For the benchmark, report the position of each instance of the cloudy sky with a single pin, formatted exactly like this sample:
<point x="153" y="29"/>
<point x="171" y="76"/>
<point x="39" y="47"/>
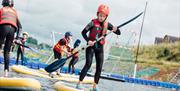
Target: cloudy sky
<point x="40" y="17"/>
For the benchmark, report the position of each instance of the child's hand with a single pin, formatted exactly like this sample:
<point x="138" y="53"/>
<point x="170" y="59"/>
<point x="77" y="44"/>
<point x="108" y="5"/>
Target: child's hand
<point x="15" y="40"/>
<point x="114" y="29"/>
<point x="90" y="43"/>
<point x="68" y="54"/>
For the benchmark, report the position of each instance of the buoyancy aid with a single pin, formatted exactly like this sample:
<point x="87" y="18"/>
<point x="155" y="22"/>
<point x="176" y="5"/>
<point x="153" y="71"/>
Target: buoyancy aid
<point x="8" y="16"/>
<point x="98" y="30"/>
<point x="59" y="47"/>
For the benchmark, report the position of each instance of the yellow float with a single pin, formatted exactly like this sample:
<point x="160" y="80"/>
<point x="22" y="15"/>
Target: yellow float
<point x="44" y="74"/>
<point x="19" y="84"/>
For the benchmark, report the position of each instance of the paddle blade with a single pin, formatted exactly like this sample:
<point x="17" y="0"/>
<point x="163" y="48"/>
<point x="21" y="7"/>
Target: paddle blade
<point x="55" y="65"/>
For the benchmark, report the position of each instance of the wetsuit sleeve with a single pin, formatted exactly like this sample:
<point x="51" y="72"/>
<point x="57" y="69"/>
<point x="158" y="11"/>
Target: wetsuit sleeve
<point x="19" y="30"/>
<point x="110" y="27"/>
<point x="86" y="29"/>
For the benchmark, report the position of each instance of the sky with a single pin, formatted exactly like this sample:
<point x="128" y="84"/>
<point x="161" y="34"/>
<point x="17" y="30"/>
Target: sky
<point x="41" y="17"/>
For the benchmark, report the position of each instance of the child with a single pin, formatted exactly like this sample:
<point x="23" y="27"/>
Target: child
<point x="20" y="50"/>
<point x="96" y="28"/>
<point x="62" y="47"/>
<point x="9" y="24"/>
<point x="75" y="57"/>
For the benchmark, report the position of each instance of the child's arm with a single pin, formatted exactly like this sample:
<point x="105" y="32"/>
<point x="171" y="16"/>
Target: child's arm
<point x="84" y="33"/>
<point x="86" y="29"/>
<point x="67" y="53"/>
<point x="114" y="29"/>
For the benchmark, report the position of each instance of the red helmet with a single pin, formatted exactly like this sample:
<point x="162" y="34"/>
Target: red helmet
<point x="8" y="3"/>
<point x="103" y="9"/>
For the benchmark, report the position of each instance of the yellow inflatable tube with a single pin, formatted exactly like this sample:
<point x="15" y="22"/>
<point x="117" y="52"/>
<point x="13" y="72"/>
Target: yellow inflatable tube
<point x="44" y="74"/>
<point x="25" y="70"/>
<point x="69" y="77"/>
<point x="23" y="84"/>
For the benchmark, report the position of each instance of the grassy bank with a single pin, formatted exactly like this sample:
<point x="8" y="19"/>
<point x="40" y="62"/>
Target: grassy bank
<point x="165" y="57"/>
<point x="161" y="52"/>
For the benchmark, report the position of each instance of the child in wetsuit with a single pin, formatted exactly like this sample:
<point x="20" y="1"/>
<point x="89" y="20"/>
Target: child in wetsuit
<point x="9" y="24"/>
<point x="96" y="28"/>
<point x="20" y="50"/>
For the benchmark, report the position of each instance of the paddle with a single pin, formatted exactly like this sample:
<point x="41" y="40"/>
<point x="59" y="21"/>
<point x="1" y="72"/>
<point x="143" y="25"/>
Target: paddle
<point x="34" y="50"/>
<point x="60" y="62"/>
<point x="22" y="45"/>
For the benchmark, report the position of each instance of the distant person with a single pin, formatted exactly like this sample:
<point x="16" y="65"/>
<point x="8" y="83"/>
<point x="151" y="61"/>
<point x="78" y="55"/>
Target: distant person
<point x="75" y="58"/>
<point x="20" y="50"/>
<point x="62" y="47"/>
<point x="9" y="24"/>
<point x="96" y="28"/>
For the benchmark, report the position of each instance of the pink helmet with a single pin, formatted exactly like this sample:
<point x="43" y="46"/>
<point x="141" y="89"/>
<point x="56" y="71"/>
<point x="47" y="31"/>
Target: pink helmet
<point x="103" y="9"/>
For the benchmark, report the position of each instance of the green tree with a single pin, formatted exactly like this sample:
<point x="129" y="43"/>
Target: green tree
<point x="32" y="40"/>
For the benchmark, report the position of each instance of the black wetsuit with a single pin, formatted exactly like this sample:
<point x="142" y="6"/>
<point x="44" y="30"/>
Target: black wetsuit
<point x="20" y="51"/>
<point x="90" y="51"/>
<point x="7" y="36"/>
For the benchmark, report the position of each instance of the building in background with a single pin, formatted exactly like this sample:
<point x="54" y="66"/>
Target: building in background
<point x="166" y="39"/>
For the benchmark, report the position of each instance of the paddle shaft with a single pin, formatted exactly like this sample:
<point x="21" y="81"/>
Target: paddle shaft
<point x="22" y="45"/>
<point x="130" y="20"/>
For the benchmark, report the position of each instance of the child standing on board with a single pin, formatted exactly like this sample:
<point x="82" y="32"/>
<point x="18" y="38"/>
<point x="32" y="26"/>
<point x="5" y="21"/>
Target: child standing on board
<point x="62" y="47"/>
<point x="96" y="28"/>
<point x="9" y="25"/>
<point x="20" y="50"/>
